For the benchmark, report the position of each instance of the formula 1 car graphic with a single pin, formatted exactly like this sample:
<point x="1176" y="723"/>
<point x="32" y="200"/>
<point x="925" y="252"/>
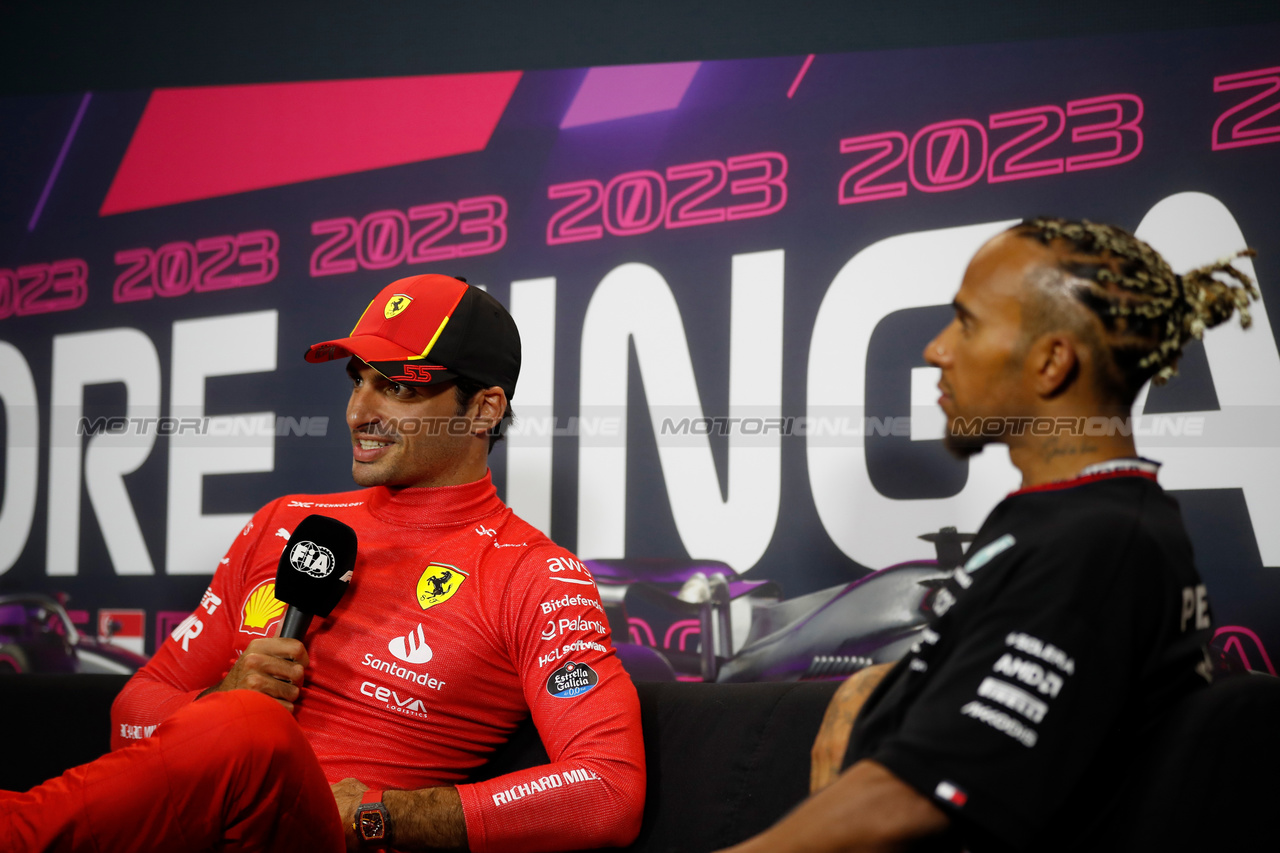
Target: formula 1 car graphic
<point x="712" y="625"/>
<point x="37" y="635"/>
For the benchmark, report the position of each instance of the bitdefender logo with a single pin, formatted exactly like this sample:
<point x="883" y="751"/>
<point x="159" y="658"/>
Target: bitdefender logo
<point x="411" y="648"/>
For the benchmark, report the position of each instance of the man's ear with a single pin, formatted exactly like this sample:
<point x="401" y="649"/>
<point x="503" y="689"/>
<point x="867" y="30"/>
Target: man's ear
<point x="489" y="404"/>
<point x="1054" y="362"/>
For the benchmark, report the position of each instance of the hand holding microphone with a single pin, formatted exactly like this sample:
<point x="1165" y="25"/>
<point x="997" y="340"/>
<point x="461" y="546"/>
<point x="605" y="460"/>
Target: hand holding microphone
<point x="314" y="571"/>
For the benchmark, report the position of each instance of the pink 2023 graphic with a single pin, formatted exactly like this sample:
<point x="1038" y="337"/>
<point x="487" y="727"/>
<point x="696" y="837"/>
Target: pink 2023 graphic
<point x="210" y="263"/>
<point x="43" y="288"/>
<point x="950" y="155"/>
<point x="641" y="201"/>
<point x="389" y="238"/>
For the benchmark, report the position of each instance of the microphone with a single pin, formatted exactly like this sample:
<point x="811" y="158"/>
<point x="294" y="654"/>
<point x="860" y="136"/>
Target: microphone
<point x="314" y="571"/>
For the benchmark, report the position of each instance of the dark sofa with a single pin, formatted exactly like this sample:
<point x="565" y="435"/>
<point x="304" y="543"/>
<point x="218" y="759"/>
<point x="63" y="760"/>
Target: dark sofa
<point x="727" y="760"/>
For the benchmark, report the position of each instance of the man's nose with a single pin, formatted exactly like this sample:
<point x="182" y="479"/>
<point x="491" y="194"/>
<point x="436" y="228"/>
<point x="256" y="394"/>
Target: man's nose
<point x="361" y="408"/>
<point x="936" y="352"/>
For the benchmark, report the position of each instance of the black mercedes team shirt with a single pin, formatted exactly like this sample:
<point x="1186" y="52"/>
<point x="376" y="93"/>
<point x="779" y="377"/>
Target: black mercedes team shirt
<point x="1076" y="621"/>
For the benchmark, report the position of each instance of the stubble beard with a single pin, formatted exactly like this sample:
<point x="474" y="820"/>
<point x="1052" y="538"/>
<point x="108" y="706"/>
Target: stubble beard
<point x="380" y="471"/>
<point x="963" y="447"/>
<point x="367" y="475"/>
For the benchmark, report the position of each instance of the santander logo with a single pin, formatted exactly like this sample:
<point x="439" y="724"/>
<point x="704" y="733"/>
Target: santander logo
<point x="411" y="648"/>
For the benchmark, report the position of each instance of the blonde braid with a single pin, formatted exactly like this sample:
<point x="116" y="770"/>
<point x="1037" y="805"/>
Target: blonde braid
<point x="1149" y="312"/>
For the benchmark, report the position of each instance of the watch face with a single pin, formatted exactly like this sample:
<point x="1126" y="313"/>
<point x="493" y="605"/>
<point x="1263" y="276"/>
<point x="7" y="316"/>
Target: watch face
<point x="372" y="826"/>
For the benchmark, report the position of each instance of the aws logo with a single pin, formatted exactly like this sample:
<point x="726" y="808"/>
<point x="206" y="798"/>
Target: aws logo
<point x="261" y="610"/>
<point x="395" y="305"/>
<point x="438" y="584"/>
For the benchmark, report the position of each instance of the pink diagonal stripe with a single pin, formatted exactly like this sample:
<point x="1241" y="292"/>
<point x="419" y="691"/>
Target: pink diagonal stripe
<point x="213" y="141"/>
<point x="804" y="69"/>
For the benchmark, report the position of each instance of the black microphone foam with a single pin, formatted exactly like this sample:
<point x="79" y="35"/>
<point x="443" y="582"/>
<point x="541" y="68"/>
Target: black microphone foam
<point x="314" y="571"/>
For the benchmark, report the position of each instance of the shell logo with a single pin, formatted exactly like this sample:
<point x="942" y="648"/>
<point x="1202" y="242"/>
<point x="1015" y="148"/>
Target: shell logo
<point x="261" y="610"/>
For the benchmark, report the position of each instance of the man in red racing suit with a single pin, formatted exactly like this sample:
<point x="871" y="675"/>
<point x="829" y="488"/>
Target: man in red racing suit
<point x="460" y="619"/>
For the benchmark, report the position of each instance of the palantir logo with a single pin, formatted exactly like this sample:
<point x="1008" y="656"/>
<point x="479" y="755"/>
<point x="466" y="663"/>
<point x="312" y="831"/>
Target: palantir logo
<point x="411" y="648"/>
<point x="311" y="559"/>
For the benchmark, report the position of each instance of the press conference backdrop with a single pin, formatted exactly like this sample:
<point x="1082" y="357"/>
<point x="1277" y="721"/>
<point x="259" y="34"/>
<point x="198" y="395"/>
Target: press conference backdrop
<point x="724" y="273"/>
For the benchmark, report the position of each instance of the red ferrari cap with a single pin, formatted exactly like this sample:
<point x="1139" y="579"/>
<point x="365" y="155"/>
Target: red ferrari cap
<point x="432" y="328"/>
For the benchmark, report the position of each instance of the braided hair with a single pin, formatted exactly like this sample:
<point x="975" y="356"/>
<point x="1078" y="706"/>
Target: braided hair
<point x="1148" y="312"/>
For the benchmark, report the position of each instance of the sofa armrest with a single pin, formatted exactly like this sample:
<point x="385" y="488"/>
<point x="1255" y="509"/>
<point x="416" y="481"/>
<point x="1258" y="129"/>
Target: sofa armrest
<point x="54" y="722"/>
<point x="725" y="761"/>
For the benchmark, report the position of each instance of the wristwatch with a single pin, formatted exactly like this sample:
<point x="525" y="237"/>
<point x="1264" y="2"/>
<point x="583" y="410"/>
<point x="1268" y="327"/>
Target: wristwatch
<point x="373" y="821"/>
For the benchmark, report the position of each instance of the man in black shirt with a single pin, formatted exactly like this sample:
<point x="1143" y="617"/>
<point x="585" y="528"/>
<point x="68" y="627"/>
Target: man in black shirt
<point x="1078" y="616"/>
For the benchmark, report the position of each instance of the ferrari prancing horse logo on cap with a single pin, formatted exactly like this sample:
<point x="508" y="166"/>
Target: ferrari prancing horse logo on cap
<point x="438" y="584"/>
<point x="396" y="304"/>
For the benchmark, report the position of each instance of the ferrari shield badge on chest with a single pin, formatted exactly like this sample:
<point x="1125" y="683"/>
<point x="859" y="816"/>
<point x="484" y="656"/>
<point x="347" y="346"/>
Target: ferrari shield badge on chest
<point x="438" y="584"/>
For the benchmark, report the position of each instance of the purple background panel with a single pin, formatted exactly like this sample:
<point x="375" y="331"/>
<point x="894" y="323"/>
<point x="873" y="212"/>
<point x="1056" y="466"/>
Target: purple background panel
<point x="622" y="91"/>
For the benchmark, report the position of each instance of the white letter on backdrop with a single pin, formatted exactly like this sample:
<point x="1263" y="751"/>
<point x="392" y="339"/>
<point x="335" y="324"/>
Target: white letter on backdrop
<point x="95" y="358"/>
<point x="634" y="302"/>
<point x="1238" y="447"/>
<point x="906" y="271"/>
<point x="235" y="444"/>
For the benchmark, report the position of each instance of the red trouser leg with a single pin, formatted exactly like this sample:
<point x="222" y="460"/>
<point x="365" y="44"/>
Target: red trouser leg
<point x="232" y="769"/>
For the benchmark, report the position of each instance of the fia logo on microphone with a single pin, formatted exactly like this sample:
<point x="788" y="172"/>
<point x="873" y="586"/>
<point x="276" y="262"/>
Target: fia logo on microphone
<point x="311" y="559"/>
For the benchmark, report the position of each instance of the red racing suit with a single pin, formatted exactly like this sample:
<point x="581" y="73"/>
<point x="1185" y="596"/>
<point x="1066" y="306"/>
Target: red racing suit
<point x="460" y="620"/>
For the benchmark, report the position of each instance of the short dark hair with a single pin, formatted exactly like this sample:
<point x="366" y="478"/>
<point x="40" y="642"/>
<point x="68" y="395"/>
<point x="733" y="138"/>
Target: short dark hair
<point x="1148" y="312"/>
<point x="464" y="390"/>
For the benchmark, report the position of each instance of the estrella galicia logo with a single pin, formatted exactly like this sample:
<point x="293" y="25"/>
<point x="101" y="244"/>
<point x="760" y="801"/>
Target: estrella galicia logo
<point x="572" y="679"/>
<point x="311" y="559"/>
